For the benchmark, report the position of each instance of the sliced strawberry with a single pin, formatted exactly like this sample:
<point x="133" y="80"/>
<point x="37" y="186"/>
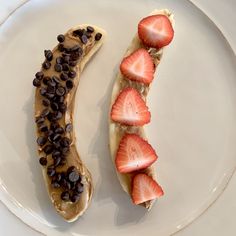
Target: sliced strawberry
<point x="134" y="153"/>
<point x="138" y="66"/>
<point x="155" y="31"/>
<point x="144" y="188"/>
<point x="130" y="109"/>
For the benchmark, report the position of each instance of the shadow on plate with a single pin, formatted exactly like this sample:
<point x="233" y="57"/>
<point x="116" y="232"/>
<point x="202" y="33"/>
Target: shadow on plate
<point x="109" y="188"/>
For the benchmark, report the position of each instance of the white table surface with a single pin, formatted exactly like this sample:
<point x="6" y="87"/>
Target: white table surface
<point x="219" y="219"/>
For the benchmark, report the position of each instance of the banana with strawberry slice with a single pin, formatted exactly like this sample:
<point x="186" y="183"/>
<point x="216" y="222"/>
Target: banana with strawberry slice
<point x="131" y="153"/>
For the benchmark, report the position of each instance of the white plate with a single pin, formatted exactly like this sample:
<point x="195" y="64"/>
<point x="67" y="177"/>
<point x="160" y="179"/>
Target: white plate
<point x="192" y="101"/>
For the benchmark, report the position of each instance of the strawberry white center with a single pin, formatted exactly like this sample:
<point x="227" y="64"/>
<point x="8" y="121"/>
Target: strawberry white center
<point x="135" y="154"/>
<point x="130" y="110"/>
<point x="156" y="30"/>
<point x="138" y="67"/>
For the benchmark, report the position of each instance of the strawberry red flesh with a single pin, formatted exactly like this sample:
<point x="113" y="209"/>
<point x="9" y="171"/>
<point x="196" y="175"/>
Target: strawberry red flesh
<point x="155" y="31"/>
<point x="144" y="188"/>
<point x="138" y="66"/>
<point x="134" y="153"/>
<point x="130" y="109"/>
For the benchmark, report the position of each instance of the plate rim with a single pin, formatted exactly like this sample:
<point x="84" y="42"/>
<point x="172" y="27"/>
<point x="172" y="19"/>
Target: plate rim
<point x="18" y="210"/>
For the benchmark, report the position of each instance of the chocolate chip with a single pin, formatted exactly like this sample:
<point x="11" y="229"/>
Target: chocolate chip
<point x="65" y="142"/>
<point x="54" y="137"/>
<point x="75" y="197"/>
<point x="46" y="102"/>
<point x="39" y="120"/>
<point x="58" y="177"/>
<point x="70" y="169"/>
<point x="48" y="55"/>
<point x="60" y="99"/>
<point x="43" y="161"/>
<point x="43" y="128"/>
<point x="54" y="106"/>
<point x="66" y="58"/>
<point x="59" y="130"/>
<point x="59" y="60"/>
<point x="49" y="95"/>
<point x="64" y="54"/>
<point x="78" y="32"/>
<point x="73" y="185"/>
<point x="54" y="126"/>
<point x="73" y="176"/>
<point x="60" y="91"/>
<point x="65" y="150"/>
<point x="39" y="75"/>
<point x="57" y="161"/>
<point x="45" y="80"/>
<point x="98" y="36"/>
<point x="61" y="47"/>
<point x="57" y="137"/>
<point x="41" y="140"/>
<point x="55" y="184"/>
<point x="72" y="74"/>
<point x="51" y="82"/>
<point x="46" y="65"/>
<point x="56" y="79"/>
<point x="51" y="171"/>
<point x="63" y="76"/>
<point x="75" y="55"/>
<point x="45" y="112"/>
<point x="48" y="133"/>
<point x="79" y="187"/>
<point x="84" y="39"/>
<point x="48" y="149"/>
<point x="65" y="196"/>
<point x="56" y="145"/>
<point x="88" y="34"/>
<point x="36" y="82"/>
<point x="90" y="29"/>
<point x="68" y="127"/>
<point x="75" y="48"/>
<point x="51" y="89"/>
<point x="68" y="185"/>
<point x="65" y="67"/>
<point x="61" y="38"/>
<point x="62" y="107"/>
<point x="55" y="154"/>
<point x="58" y="67"/>
<point x="58" y="115"/>
<point x="51" y="117"/>
<point x="72" y="63"/>
<point x="43" y="91"/>
<point x="69" y="84"/>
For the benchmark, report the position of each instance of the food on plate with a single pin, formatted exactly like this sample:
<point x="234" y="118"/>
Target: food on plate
<point x="131" y="153"/>
<point x="67" y="179"/>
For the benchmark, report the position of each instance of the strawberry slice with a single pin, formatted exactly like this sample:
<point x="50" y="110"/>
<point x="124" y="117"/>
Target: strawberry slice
<point x="134" y="153"/>
<point x="155" y="31"/>
<point x="138" y="66"/>
<point x="144" y="188"/>
<point x="130" y="109"/>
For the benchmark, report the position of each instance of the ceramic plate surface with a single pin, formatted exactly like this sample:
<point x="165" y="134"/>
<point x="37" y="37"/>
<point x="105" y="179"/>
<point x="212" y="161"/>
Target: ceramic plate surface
<point x="192" y="101"/>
